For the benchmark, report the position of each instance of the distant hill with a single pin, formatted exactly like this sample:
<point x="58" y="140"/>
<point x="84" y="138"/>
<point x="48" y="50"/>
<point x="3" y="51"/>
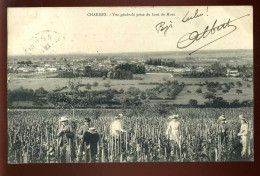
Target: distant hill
<point x="246" y="55"/>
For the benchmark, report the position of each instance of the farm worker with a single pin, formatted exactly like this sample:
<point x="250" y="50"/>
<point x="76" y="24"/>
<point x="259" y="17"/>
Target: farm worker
<point x="65" y="140"/>
<point x="90" y="139"/>
<point x="116" y="126"/>
<point x="84" y="127"/>
<point x="80" y="134"/>
<point x="222" y="128"/>
<point x="243" y="134"/>
<point x="172" y="131"/>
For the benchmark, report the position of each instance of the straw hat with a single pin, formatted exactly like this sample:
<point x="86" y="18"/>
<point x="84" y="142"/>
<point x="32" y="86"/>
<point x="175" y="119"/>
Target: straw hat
<point x="119" y="116"/>
<point x="63" y="119"/>
<point x="92" y="130"/>
<point x="242" y="117"/>
<point x="174" y="116"/>
<point x="222" y="118"/>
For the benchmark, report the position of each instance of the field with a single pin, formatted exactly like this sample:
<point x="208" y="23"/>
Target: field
<point x="142" y="82"/>
<point x="32" y="132"/>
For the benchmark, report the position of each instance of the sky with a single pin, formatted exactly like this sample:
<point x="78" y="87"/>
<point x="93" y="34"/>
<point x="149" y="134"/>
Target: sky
<point x="33" y="31"/>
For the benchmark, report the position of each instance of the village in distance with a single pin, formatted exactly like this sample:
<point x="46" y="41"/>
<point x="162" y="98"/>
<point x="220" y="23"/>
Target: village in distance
<point x="221" y="78"/>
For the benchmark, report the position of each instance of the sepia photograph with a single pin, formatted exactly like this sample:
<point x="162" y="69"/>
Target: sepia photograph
<point x="130" y="84"/>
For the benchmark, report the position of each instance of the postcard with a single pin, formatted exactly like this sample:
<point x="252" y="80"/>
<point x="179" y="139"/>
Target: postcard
<point x="130" y="84"/>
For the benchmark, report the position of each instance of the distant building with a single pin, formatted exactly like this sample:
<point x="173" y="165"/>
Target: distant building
<point x="47" y="65"/>
<point x="160" y="66"/>
<point x="51" y="69"/>
<point x="179" y="70"/>
<point x="63" y="67"/>
<point x="232" y="72"/>
<point x="22" y="69"/>
<point x="200" y="69"/>
<point x="40" y="69"/>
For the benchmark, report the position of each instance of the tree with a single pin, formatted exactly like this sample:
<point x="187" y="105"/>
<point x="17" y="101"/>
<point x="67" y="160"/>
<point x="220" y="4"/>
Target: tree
<point x="129" y="100"/>
<point x="231" y="84"/>
<point x="59" y="99"/>
<point x="151" y="94"/>
<point x="247" y="103"/>
<point x="95" y="84"/>
<point x="171" y="88"/>
<point x="107" y="85"/>
<point x="39" y="102"/>
<point x="219" y="102"/>
<point x="88" y="86"/>
<point x="121" y="91"/>
<point x="25" y="62"/>
<point x="218" y="69"/>
<point x="209" y="96"/>
<point x="225" y="91"/>
<point x="212" y="90"/>
<point x="41" y="91"/>
<point x="193" y="102"/>
<point x="199" y="90"/>
<point x="239" y="84"/>
<point x="235" y="103"/>
<point x="227" y="87"/>
<point x="143" y="95"/>
<point x="21" y="94"/>
<point x="133" y="68"/>
<point x="121" y="74"/>
<point x="133" y="91"/>
<point x="239" y="91"/>
<point x="89" y="72"/>
<point x="66" y="74"/>
<point x="87" y="69"/>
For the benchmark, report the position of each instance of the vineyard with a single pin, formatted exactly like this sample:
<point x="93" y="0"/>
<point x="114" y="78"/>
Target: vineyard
<point x="31" y="134"/>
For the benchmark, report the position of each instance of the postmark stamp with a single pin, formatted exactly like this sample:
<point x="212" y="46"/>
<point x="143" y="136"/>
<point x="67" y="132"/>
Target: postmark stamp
<point x="45" y="42"/>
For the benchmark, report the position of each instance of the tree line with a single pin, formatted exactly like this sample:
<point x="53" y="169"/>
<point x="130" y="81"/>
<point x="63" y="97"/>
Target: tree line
<point x="160" y="62"/>
<point x="71" y="95"/>
<point x="218" y="70"/>
<point x="121" y="71"/>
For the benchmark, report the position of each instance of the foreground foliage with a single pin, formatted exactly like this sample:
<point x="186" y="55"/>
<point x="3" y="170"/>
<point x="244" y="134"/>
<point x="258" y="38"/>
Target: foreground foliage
<point x="31" y="133"/>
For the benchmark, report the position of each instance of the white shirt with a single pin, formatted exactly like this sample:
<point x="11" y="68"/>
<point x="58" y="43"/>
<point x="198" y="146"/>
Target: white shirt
<point x="243" y="130"/>
<point x="116" y="128"/>
<point x="172" y="131"/>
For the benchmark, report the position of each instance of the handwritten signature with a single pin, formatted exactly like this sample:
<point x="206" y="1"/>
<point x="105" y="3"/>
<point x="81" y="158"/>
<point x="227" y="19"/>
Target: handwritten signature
<point x="163" y="27"/>
<point x="196" y="15"/>
<point x="193" y="37"/>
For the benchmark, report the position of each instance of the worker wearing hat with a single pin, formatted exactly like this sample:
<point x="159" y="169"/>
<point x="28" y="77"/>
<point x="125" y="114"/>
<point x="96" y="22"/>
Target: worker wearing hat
<point x="116" y="126"/>
<point x="65" y="140"/>
<point x="222" y="118"/>
<point x="84" y="127"/>
<point x="243" y="133"/>
<point x="90" y="140"/>
<point x="79" y="140"/>
<point x="223" y="129"/>
<point x="172" y="130"/>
